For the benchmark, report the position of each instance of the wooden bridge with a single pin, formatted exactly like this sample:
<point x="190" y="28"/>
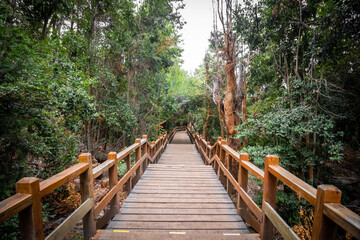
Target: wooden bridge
<point x="177" y="192"/>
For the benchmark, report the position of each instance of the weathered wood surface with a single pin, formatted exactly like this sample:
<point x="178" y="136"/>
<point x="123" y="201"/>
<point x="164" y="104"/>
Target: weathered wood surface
<point x="179" y="194"/>
<point x="156" y="235"/>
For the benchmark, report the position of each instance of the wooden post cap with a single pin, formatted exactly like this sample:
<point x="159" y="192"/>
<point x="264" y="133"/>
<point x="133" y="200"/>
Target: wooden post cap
<point x="138" y="140"/>
<point x="144" y="137"/>
<point x="219" y="138"/>
<point x="244" y="157"/>
<point x="331" y="193"/>
<point x="27" y="185"/>
<point x="207" y="143"/>
<point x="84" y="158"/>
<point x="271" y="160"/>
<point x="112" y="155"/>
<point x="152" y="142"/>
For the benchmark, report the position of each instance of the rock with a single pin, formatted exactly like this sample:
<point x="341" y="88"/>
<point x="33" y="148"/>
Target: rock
<point x="77" y="184"/>
<point x="104" y="182"/>
<point x="100" y="156"/>
<point x="59" y="221"/>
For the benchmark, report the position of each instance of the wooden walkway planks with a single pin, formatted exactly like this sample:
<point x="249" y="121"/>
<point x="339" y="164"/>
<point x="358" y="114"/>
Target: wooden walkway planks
<point x="178" y="195"/>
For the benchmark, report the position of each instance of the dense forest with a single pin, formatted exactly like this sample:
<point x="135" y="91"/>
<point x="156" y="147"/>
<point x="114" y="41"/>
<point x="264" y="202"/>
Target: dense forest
<point x="279" y="77"/>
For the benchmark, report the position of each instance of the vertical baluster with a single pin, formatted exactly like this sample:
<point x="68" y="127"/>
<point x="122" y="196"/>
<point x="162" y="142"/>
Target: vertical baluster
<point x="113" y="180"/>
<point x="208" y="152"/>
<point x="87" y="191"/>
<point x="269" y="195"/>
<point x="139" y="170"/>
<point x="145" y="151"/>
<point x="243" y="182"/>
<point x="323" y="227"/>
<point x="153" y="151"/>
<point x="31" y="222"/>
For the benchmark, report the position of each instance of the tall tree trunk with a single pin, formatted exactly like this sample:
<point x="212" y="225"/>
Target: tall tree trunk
<point x="207" y="77"/>
<point x="229" y="99"/>
<point x="43" y="32"/>
<point x="230" y="58"/>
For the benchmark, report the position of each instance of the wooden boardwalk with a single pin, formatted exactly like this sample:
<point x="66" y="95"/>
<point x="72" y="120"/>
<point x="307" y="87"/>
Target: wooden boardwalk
<point x="178" y="198"/>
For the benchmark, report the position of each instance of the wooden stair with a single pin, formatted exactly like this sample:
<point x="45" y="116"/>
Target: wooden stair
<point x="178" y="198"/>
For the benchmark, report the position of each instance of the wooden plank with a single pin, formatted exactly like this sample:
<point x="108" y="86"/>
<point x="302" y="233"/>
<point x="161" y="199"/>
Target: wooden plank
<point x="127" y="151"/>
<point x="178" y="218"/>
<point x="14" y="204"/>
<point x="167" y="169"/>
<point x="157" y="153"/>
<point x="179" y="205"/>
<point x="343" y="217"/>
<point x="87" y="192"/>
<point x="157" y="181"/>
<point x="179" y="166"/>
<point x="101" y="205"/>
<point x="63" y="229"/>
<point x="299" y="186"/>
<point x="103" y="167"/>
<point x="231" y="151"/>
<point x="143" y="141"/>
<point x="181" y="176"/>
<point x="101" y="222"/>
<point x="215" y="145"/>
<point x="178" y="225"/>
<point x="159" y="185"/>
<point x="179" y="200"/>
<point x="52" y="183"/>
<point x="221" y="196"/>
<point x="183" y="192"/>
<point x="30" y="219"/>
<point x="269" y="196"/>
<point x="181" y="188"/>
<point x="165" y="234"/>
<point x="249" y="202"/>
<point x="171" y="173"/>
<point x="163" y="211"/>
<point x="279" y="223"/>
<point x="257" y="172"/>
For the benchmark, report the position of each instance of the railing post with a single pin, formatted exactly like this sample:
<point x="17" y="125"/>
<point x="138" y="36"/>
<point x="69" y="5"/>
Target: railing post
<point x="139" y="170"/>
<point x="222" y="151"/>
<point x="31" y="222"/>
<point x="243" y="182"/>
<point x="87" y="191"/>
<point x="128" y="167"/>
<point x="153" y="151"/>
<point x="208" y="152"/>
<point x="323" y="227"/>
<point x="162" y="144"/>
<point x="113" y="180"/>
<point x="222" y="156"/>
<point x="227" y="165"/>
<point x="218" y="147"/>
<point x="269" y="195"/>
<point x="145" y="149"/>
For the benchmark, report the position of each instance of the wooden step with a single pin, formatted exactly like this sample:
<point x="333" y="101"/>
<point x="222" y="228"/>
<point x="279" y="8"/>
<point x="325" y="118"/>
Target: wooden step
<point x="157" y="235"/>
<point x="179" y="198"/>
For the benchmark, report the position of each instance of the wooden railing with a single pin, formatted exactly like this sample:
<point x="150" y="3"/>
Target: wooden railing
<point x="328" y="213"/>
<point x="29" y="191"/>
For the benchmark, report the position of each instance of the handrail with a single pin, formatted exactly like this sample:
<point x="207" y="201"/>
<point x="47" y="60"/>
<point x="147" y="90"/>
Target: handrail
<point x="325" y="198"/>
<point x="27" y="200"/>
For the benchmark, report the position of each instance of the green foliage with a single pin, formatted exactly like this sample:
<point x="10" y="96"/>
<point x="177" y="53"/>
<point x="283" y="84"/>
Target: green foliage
<point x="296" y="107"/>
<point x="82" y="76"/>
<point x="278" y="132"/>
<point x="288" y="207"/>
